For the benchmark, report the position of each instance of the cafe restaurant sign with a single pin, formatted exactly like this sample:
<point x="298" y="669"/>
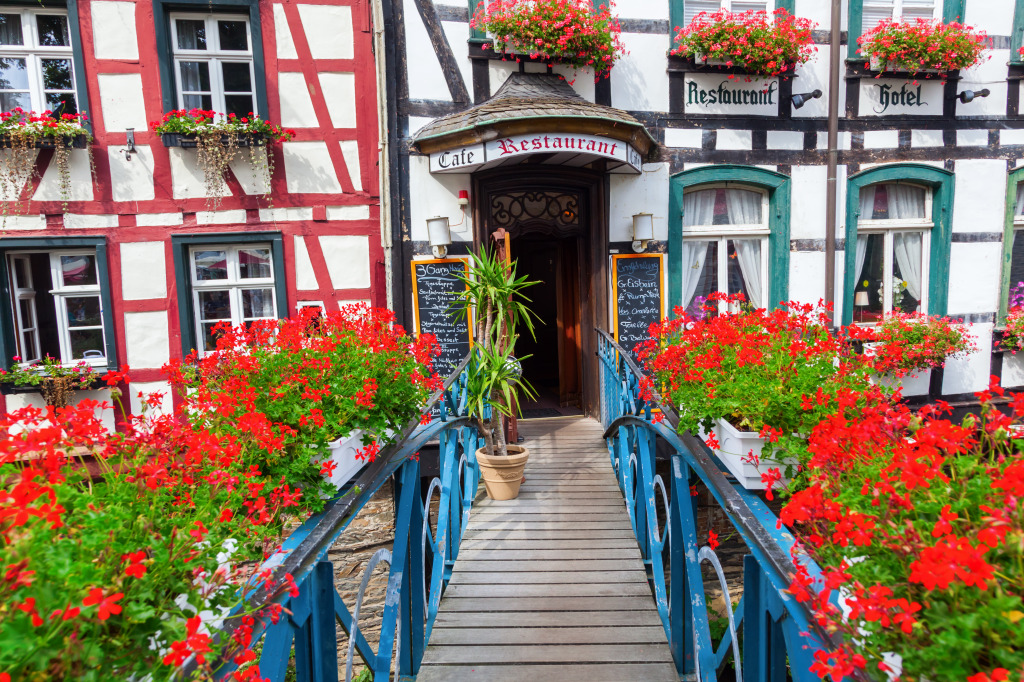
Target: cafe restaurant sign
<point x="717" y="94"/>
<point x="900" y="97"/>
<point x="471" y="157"/>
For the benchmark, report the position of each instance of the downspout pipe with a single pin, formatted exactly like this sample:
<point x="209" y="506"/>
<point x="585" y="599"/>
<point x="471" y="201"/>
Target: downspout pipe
<point x="831" y="190"/>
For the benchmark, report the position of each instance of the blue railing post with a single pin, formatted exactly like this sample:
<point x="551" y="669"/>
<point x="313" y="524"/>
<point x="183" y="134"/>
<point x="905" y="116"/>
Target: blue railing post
<point x="316" y="639"/>
<point x="679" y="605"/>
<point x="412" y="616"/>
<point x="399" y="579"/>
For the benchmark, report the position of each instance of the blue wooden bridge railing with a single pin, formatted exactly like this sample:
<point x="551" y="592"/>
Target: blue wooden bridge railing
<point x="306" y="629"/>
<point x="778" y="633"/>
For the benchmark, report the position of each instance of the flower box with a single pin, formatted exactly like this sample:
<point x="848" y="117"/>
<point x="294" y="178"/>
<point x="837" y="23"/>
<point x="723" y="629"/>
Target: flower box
<point x="734" y="451"/>
<point x="712" y="61"/>
<point x="888" y="66"/>
<point x="343" y="454"/>
<point x="191" y="141"/>
<point x="49" y="142"/>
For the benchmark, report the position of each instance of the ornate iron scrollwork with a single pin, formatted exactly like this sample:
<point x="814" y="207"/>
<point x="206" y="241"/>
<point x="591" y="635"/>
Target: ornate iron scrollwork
<point x="512" y="209"/>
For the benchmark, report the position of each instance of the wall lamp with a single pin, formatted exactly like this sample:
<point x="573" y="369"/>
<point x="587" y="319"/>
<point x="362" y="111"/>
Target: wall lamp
<point x="129" y="140"/>
<point x="439" y="230"/>
<point x="802" y="98"/>
<point x="969" y="95"/>
<point x="643" y="231"/>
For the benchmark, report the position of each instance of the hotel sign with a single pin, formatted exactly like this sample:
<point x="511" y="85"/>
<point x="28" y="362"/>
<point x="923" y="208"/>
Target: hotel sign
<point x="467" y="159"/>
<point x="900" y="97"/>
<point x="717" y="94"/>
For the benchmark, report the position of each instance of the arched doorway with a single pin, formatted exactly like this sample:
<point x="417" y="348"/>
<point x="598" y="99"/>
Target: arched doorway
<point x="557" y="222"/>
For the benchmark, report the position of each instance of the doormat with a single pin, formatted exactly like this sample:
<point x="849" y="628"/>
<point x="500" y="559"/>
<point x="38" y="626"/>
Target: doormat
<point x="541" y="413"/>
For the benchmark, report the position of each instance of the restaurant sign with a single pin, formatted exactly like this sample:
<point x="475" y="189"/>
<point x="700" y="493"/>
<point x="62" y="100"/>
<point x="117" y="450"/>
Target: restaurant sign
<point x="717" y="94"/>
<point x="900" y="97"/>
<point x="466" y="159"/>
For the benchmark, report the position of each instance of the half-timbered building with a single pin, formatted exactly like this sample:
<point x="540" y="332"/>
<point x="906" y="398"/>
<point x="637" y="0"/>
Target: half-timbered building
<point x="733" y="175"/>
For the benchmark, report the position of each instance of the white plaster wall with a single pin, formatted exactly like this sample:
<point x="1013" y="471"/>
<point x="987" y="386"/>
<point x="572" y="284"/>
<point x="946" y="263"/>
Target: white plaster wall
<point x="814" y="76"/>
<point x="974" y="271"/>
<point x="643" y="9"/>
<point x="146" y="336"/>
<point x="881" y="139"/>
<point x="350" y="152"/>
<point x="457" y="34"/>
<point x="308" y="168"/>
<point x="1013" y="369"/>
<point x="296" y="103"/>
<point x="817" y="11"/>
<point x="806" y="276"/>
<point x="581" y="80"/>
<point x="971" y="373"/>
<point x="250" y="170"/>
<point x="114" y="35"/>
<point x="426" y="80"/>
<point x="17" y="401"/>
<point x="990" y="74"/>
<point x="635" y="85"/>
<point x="340" y="96"/>
<point x="692" y="138"/>
<point x="991" y="16"/>
<point x="122" y="102"/>
<point x="735" y="140"/>
<point x="229" y="217"/>
<point x="498" y="73"/>
<point x="644" y="193"/>
<point x="979" y="197"/>
<point x="158" y="219"/>
<point x="328" y="30"/>
<point x="416" y="123"/>
<point x="807" y="204"/>
<point x="12" y="189"/>
<point x="348" y="260"/>
<point x="305" y="278"/>
<point x="131" y="180"/>
<point x="143" y="271"/>
<point x="187" y="179"/>
<point x="148" y="388"/>
<point x="271" y="215"/>
<point x="80" y="174"/>
<point x="926" y="138"/>
<point x="23" y="222"/>
<point x="283" y="34"/>
<point x="785" y="139"/>
<point x="436" y="195"/>
<point x="73" y="221"/>
<point x="360" y="212"/>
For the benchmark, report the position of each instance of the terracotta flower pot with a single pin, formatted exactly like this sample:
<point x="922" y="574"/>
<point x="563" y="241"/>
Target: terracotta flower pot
<point x="502" y="475"/>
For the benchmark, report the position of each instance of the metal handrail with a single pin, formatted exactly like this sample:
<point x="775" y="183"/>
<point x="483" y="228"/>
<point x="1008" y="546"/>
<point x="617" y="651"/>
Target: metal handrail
<point x="300" y="561"/>
<point x="702" y="459"/>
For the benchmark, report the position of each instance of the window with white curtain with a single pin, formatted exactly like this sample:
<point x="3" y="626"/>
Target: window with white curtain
<point x="232" y="285"/>
<point x="213" y="63"/>
<point x="893" y="242"/>
<point x="1017" y="246"/>
<point x="691" y="8"/>
<point x="725" y="244"/>
<point x="874" y="11"/>
<point x="37" y="70"/>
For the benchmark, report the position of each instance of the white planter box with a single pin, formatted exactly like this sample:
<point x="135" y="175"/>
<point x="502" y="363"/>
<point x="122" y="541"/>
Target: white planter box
<point x="713" y="61"/>
<point x="878" y="64"/>
<point x="735" y="447"/>
<point x="343" y="454"/>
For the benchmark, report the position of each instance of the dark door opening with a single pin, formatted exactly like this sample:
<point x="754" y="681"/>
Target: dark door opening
<point x="553" y="359"/>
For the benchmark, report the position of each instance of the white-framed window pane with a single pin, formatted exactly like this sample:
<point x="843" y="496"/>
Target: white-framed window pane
<point x="749" y="5"/>
<point x="29" y="351"/>
<point x="11" y="32"/>
<point x="52" y="30"/>
<point x="86" y="343"/>
<point x="874" y="11"/>
<point x="191" y="34"/>
<point x="195" y="76"/>
<point x="869" y="290"/>
<point x="210" y="265"/>
<point x="907" y="272"/>
<point x="83" y="311"/>
<point x="892" y="201"/>
<point x="78" y="270"/>
<point x="214" y="308"/>
<point x="744" y="266"/>
<point x="1017" y="259"/>
<point x="699" y="271"/>
<point x="257" y="304"/>
<point x="254" y="264"/>
<point x="917" y="9"/>
<point x="1018" y="209"/>
<point x="691" y="8"/>
<point x="14" y="74"/>
<point x="233" y="35"/>
<point x="722" y="206"/>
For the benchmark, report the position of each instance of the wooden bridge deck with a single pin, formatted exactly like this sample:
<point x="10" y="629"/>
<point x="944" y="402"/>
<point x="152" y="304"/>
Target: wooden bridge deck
<point x="551" y="585"/>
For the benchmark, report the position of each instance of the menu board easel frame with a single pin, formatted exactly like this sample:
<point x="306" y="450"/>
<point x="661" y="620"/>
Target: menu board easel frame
<point x="615" y="287"/>
<point x="416" y="293"/>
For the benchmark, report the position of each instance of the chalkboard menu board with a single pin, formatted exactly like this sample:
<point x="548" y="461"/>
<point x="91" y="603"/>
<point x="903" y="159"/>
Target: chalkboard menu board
<point x="637" y="289"/>
<point x="434" y="288"/>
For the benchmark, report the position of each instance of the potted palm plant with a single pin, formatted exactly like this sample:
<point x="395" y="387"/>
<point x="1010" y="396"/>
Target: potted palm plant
<point x="494" y="381"/>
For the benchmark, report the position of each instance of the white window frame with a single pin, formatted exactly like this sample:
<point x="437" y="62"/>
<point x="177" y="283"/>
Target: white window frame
<point x="726" y="5"/>
<point x="60" y="293"/>
<point x="888" y="228"/>
<point x="723" y="233"/>
<point x="25" y="291"/>
<point x="33" y="53"/>
<point x="234" y="284"/>
<point x="214" y="56"/>
<point x="897" y="10"/>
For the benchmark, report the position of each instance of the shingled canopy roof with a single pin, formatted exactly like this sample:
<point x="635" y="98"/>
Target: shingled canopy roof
<point x="529" y="103"/>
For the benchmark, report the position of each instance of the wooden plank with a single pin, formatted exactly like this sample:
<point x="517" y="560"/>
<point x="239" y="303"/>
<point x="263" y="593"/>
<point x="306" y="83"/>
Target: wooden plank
<point x="529" y="619"/>
<point x="476" y="604"/>
<point x="475" y="524"/>
<point x="602" y="495"/>
<point x="513" y="564"/>
<point x="559" y="507"/>
<point x="557" y="553"/>
<point x="572" y="533"/>
<point x="551" y="577"/>
<point x="548" y="653"/>
<point x="514" y="589"/>
<point x="565" y="544"/>
<point x="576" y="672"/>
<point x="579" y="635"/>
<point x="552" y="503"/>
<point x="533" y="516"/>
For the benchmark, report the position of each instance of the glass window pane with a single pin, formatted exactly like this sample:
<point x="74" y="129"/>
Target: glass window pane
<point x="700" y="273"/>
<point x="9" y="101"/>
<point x="28" y="347"/>
<point x="13" y="74"/>
<point x="21" y="278"/>
<point x="10" y="30"/>
<point x="195" y="76"/>
<point x="1017" y="270"/>
<point x="28" y="318"/>
<point x="236" y="77"/>
<point x="748" y="5"/>
<point x="239" y="105"/>
<point x="233" y="35"/>
<point x="209" y="337"/>
<point x="907" y="282"/>
<point x="254" y="263"/>
<point x="62" y="102"/>
<point x="83" y="311"/>
<point x="53" y="30"/>
<point x="210" y="265"/>
<point x="918" y="9"/>
<point x="57" y="74"/>
<point x="257" y="303"/>
<point x="86" y="343"/>
<point x="1019" y="207"/>
<point x="868" y="294"/>
<point x="191" y="34"/>
<point x="198" y="102"/>
<point x="893" y="202"/>
<point x="214" y="305"/>
<point x="79" y="270"/>
<point x="691" y="8"/>
<point x="744" y="268"/>
<point x="699" y="208"/>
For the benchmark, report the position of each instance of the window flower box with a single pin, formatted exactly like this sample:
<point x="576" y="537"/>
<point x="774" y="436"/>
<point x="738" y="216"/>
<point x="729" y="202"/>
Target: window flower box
<point x="747" y="40"/>
<point x="343" y="454"/>
<point x="79" y="141"/>
<point x="191" y="140"/>
<point x="921" y="47"/>
<point x="739" y="450"/>
<point x="23" y="131"/>
<point x="571" y="32"/>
